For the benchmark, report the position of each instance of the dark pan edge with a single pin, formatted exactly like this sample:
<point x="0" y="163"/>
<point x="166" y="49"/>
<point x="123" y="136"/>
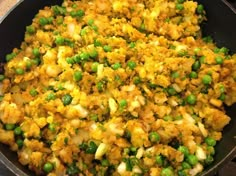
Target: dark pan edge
<point x="12" y="167"/>
<point x="215" y="168"/>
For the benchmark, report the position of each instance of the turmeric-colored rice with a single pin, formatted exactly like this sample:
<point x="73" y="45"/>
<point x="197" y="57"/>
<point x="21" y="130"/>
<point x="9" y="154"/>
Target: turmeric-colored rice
<point x="118" y="87"/>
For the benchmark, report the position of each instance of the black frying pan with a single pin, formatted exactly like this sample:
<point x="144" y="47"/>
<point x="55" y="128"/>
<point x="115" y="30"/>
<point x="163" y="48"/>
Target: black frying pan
<point x="221" y="25"/>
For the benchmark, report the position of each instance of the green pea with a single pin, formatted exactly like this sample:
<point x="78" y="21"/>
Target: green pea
<point x="211" y="150"/>
<point x="76" y="59"/>
<point x="132" y="44"/>
<point x="93" y="54"/>
<point x="30" y="29"/>
<point x="43" y="21"/>
<point x="36" y="52"/>
<point x="182" y="53"/>
<point x="50" y="20"/>
<point x="219" y="60"/>
<point x="224" y="50"/>
<point x="183" y="150"/>
<point x="167" y="20"/>
<point x="180" y="1"/>
<point x="222" y="97"/>
<point x="33" y="92"/>
<point x="72" y="169"/>
<point x="186" y="165"/>
<point x="167" y="172"/>
<point x="94" y="67"/>
<point x="90" y="22"/>
<point x="73" y="13"/>
<point x="83" y="146"/>
<point x="175" y="75"/>
<point x="107" y="48"/>
<point x="193" y="75"/>
<point x="200" y="9"/>
<point x="222" y="88"/>
<point x="28" y="64"/>
<point x="202" y="59"/>
<point x="182" y="173"/>
<point x="206" y="79"/>
<point x="94" y="117"/>
<point x="154" y="137"/>
<point x="142" y="28"/>
<point x="171" y="91"/>
<point x="192" y="159"/>
<point x="105" y="163"/>
<point x="179" y="117"/>
<point x="191" y="99"/>
<point x="133" y="150"/>
<point x="83" y="31"/>
<point x="59" y="20"/>
<point x="173" y="47"/>
<point x="92" y="148"/>
<point x="123" y="103"/>
<point x="70" y="60"/>
<point x="19" y="71"/>
<point x="51" y="96"/>
<point x="179" y="7"/>
<point x="2" y="77"/>
<point x="9" y="126"/>
<point x="48" y="167"/>
<point x="80" y="13"/>
<point x="66" y="140"/>
<point x="131" y="64"/>
<point x="84" y="56"/>
<point x="52" y="127"/>
<point x="209" y="160"/>
<point x="137" y="80"/>
<point x="116" y="66"/>
<point x="196" y="65"/>
<point x="216" y="50"/>
<point x="197" y="50"/>
<point x="57" y="10"/>
<point x="18" y="131"/>
<point x="159" y="160"/>
<point x="100" y="86"/>
<point x="1" y="98"/>
<point x="95" y="28"/>
<point x="66" y="99"/>
<point x="97" y="43"/>
<point x="78" y="75"/>
<point x="59" y="40"/>
<point x="19" y="143"/>
<point x="10" y="56"/>
<point x="36" y="61"/>
<point x="210" y="141"/>
<point x="127" y="134"/>
<point x="128" y="164"/>
<point x="207" y="39"/>
<point x="168" y="118"/>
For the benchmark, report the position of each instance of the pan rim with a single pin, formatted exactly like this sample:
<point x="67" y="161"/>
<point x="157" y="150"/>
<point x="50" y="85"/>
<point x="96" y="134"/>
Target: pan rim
<point x="10" y="10"/>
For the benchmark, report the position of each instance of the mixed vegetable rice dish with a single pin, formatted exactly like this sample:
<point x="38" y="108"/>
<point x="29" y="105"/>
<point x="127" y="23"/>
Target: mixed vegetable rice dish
<point x="119" y="87"/>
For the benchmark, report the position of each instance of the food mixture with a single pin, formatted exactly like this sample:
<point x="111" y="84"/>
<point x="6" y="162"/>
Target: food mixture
<point x="119" y="87"/>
